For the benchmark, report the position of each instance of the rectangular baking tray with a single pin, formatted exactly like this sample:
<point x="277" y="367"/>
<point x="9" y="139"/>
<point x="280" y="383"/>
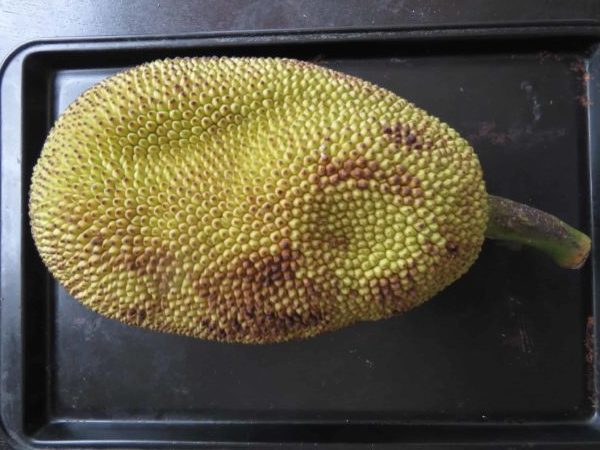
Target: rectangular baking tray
<point x="505" y="357"/>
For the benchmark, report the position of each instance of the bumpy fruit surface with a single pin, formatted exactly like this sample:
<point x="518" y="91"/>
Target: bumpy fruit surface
<point x="253" y="200"/>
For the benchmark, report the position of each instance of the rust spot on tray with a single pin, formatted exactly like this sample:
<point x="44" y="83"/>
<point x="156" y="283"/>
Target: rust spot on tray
<point x="590" y="357"/>
<point x="589" y="340"/>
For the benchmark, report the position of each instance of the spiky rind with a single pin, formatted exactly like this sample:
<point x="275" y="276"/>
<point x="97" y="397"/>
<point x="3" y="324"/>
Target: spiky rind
<point x="253" y="200"/>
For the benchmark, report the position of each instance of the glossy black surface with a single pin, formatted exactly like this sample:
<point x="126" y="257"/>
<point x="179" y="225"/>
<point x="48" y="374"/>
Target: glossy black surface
<point x="499" y="357"/>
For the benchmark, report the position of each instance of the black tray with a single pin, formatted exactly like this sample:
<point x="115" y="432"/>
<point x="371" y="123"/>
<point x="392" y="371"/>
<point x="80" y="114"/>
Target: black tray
<point x="504" y="357"/>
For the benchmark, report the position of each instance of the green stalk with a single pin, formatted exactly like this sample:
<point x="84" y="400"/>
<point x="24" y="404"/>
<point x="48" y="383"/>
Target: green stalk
<point x="512" y="221"/>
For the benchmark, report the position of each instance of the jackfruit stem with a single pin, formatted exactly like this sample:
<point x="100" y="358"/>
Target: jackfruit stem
<point x="515" y="222"/>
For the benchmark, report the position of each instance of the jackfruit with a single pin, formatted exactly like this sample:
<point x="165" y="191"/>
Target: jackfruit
<point x="253" y="200"/>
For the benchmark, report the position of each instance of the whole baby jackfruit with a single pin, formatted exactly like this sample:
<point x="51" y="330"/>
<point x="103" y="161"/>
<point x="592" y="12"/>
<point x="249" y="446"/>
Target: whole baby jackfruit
<point x="261" y="200"/>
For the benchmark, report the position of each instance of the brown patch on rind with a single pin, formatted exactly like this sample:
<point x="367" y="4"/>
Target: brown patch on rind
<point x="390" y="295"/>
<point x="402" y="134"/>
<point x="155" y="263"/>
<point x="363" y="171"/>
<point x="135" y="316"/>
<point x="253" y="292"/>
<point x="452" y="248"/>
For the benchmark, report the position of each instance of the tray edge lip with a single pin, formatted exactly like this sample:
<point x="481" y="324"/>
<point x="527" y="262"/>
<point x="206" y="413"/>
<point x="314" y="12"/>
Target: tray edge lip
<point x="575" y="27"/>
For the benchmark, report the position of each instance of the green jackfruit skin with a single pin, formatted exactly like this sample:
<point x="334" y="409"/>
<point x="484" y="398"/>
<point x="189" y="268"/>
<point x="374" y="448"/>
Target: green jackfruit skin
<point x="253" y="200"/>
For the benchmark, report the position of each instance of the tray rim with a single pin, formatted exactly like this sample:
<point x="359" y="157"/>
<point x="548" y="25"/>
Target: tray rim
<point x="17" y="59"/>
<point x="539" y="29"/>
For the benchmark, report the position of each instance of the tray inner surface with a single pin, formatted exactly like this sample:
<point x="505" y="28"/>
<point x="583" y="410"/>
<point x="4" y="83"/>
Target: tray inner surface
<point x="504" y="343"/>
